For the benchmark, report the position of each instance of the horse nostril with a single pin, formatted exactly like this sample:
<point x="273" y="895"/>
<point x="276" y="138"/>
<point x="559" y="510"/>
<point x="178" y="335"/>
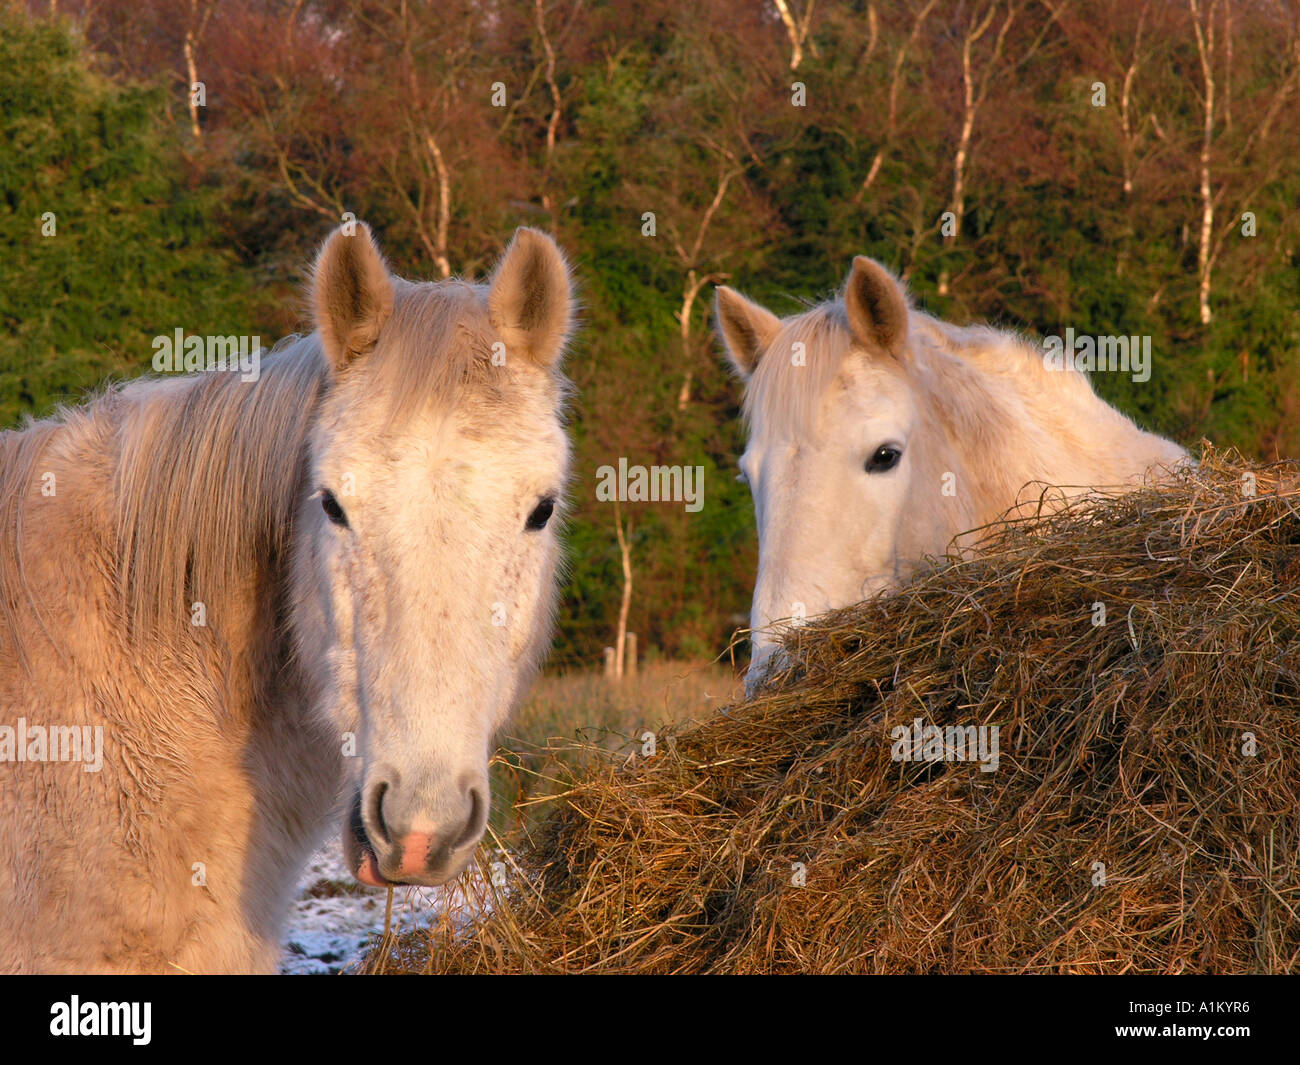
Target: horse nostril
<point x="377" y="810"/>
<point x="477" y="815"/>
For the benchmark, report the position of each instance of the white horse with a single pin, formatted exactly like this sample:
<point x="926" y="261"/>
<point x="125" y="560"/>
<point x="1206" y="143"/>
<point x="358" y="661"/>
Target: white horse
<point x="274" y="604"/>
<point x="878" y="433"/>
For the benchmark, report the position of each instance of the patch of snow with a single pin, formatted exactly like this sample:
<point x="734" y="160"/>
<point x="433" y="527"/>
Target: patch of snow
<point x="335" y="919"/>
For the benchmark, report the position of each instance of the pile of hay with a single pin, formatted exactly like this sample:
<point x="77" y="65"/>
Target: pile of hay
<point x="1144" y="815"/>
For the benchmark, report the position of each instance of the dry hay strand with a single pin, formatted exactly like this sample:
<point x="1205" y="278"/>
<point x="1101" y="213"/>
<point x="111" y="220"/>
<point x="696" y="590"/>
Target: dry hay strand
<point x="1124" y="750"/>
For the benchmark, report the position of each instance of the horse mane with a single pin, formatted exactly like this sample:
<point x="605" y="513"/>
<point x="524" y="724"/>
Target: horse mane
<point x="19" y="450"/>
<point x="783" y="396"/>
<point x="439" y="344"/>
<point x="204" y="475"/>
<point x="208" y="468"/>
<point x="207" y="476"/>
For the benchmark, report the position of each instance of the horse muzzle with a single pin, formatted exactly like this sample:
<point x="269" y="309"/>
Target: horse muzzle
<point x="382" y="847"/>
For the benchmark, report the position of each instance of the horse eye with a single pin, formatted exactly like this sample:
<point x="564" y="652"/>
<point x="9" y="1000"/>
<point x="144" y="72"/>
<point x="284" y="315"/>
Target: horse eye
<point x="332" y="509"/>
<point x="885" y="458"/>
<point x="541" y="514"/>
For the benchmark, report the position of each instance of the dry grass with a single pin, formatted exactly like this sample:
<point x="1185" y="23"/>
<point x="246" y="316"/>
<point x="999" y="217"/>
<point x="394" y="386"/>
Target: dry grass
<point x="661" y="693"/>
<point x="1122" y="744"/>
<point x="571" y="718"/>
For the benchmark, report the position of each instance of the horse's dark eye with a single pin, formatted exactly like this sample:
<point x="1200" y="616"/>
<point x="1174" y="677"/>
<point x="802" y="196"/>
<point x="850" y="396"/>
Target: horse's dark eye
<point x="541" y="514"/>
<point x="332" y="509"/>
<point x="885" y="458"/>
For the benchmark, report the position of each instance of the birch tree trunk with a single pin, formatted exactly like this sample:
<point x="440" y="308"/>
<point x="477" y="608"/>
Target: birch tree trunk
<point x="625" y="552"/>
<point x="796" y="30"/>
<point x="194" y="28"/>
<point x="420" y="129"/>
<point x="974" y="89"/>
<point x="557" y="109"/>
<point x="439" y="250"/>
<point x="693" y="284"/>
<point x="895" y="81"/>
<point x="1126" y="103"/>
<point x="1205" y="48"/>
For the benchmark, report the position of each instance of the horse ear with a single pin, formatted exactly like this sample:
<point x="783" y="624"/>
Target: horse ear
<point x="744" y="328"/>
<point x="876" y="307"/>
<point x="531" y="297"/>
<point x="353" y="295"/>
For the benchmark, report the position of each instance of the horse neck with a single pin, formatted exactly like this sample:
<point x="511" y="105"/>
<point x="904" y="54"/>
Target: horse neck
<point x="1010" y="425"/>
